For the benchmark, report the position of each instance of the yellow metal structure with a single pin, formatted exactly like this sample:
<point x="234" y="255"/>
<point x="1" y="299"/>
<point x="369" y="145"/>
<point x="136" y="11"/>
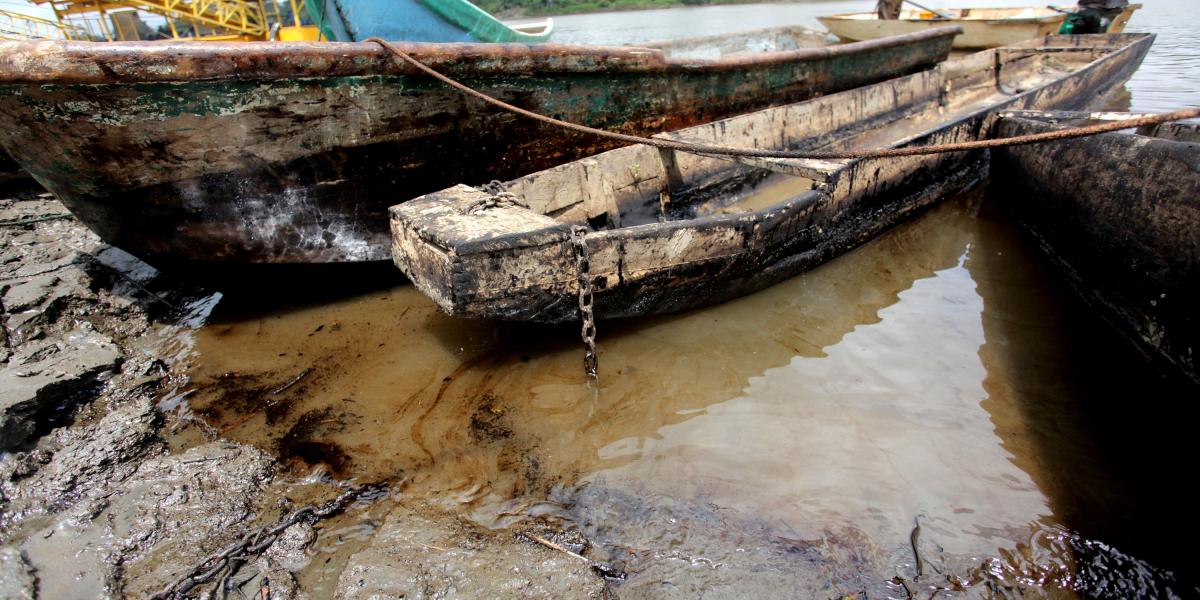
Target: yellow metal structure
<point x="227" y="19"/>
<point x="16" y="26"/>
<point x="297" y="32"/>
<point x="208" y="20"/>
<point x="303" y="33"/>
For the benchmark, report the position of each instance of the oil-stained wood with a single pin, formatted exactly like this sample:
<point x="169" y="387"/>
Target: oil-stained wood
<point x="292" y="152"/>
<point x="668" y="229"/>
<point x="1120" y="213"/>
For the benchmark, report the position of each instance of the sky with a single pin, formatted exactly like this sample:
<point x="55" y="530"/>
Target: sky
<point x="25" y="8"/>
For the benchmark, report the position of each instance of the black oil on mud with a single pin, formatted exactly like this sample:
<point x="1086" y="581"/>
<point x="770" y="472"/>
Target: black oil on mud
<point x="783" y="443"/>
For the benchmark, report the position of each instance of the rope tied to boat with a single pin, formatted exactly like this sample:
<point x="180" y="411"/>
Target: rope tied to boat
<point x="697" y="148"/>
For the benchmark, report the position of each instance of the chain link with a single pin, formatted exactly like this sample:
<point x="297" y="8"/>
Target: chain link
<point x="588" y="331"/>
<point x="499" y="198"/>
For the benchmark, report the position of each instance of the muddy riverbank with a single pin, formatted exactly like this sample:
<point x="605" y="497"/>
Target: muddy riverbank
<point x="97" y="501"/>
<point x="930" y="412"/>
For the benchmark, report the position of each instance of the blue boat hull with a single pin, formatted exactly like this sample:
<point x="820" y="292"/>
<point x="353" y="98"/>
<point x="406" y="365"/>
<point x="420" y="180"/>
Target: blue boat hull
<point x="414" y="21"/>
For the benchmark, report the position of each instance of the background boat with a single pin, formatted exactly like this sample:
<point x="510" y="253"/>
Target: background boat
<point x="420" y="21"/>
<point x="292" y="152"/>
<point x="982" y="27"/>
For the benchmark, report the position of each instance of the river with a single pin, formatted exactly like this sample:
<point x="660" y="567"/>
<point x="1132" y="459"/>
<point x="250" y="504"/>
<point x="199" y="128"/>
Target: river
<point x="1169" y="79"/>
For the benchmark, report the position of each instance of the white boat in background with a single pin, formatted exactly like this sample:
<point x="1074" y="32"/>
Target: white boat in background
<point x="982" y="27"/>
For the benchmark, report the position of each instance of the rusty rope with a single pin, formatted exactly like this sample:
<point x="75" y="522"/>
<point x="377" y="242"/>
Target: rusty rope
<point x="1061" y="134"/>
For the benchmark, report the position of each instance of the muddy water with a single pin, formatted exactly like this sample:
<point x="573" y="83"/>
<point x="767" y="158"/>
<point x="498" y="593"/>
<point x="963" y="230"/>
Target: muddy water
<point x="787" y="441"/>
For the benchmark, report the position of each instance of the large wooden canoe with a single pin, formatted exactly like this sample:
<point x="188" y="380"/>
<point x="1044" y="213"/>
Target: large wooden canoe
<point x="1120" y="213"/>
<point x="982" y="27"/>
<point x="671" y="231"/>
<point x="292" y="152"/>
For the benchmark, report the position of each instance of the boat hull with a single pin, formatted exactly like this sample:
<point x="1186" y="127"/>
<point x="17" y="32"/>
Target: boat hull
<point x="292" y="153"/>
<point x="982" y="27"/>
<point x="517" y="263"/>
<point x="1120" y="214"/>
<point x="977" y="33"/>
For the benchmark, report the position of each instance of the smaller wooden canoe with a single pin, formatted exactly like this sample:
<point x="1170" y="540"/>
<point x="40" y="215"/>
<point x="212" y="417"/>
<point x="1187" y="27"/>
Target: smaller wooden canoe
<point x="1120" y="213"/>
<point x="982" y="27"/>
<point x="667" y="231"/>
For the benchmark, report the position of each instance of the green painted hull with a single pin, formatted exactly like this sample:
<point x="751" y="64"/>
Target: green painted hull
<point x="284" y="152"/>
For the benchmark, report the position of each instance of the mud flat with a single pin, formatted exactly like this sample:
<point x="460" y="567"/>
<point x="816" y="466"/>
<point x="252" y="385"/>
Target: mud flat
<point x="95" y="503"/>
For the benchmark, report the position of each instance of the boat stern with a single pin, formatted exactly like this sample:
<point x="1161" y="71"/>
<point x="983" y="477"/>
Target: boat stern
<point x="473" y="255"/>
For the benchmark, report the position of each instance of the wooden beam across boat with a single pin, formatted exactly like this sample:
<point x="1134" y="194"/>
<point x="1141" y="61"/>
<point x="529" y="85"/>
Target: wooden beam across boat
<point x="1120" y="214"/>
<point x="669" y="231"/>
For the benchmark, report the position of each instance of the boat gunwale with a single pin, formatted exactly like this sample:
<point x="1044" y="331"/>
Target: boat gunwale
<point x="72" y="62"/>
<point x="557" y="234"/>
<point x="870" y="16"/>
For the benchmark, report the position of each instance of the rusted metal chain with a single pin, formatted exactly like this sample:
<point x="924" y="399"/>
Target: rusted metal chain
<point x="257" y="541"/>
<point x="1062" y="134"/>
<point x="587" y="318"/>
<point x="499" y="197"/>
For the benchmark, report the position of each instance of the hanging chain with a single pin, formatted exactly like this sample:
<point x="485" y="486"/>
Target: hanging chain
<point x="588" y="332"/>
<point x="499" y="197"/>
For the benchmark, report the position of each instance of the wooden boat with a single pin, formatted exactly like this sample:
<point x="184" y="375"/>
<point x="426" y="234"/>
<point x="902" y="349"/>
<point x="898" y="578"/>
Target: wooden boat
<point x="292" y="152"/>
<point x="420" y="21"/>
<point x="1120" y="213"/>
<point x="982" y="27"/>
<point x="669" y="231"/>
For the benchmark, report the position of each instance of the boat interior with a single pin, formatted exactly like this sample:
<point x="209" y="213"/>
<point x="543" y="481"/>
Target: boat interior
<point x="969" y="14"/>
<point x="773" y="39"/>
<point x="639" y="185"/>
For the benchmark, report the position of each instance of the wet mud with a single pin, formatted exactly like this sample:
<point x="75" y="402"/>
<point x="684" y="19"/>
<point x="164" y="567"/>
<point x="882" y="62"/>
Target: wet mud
<point x="931" y="413"/>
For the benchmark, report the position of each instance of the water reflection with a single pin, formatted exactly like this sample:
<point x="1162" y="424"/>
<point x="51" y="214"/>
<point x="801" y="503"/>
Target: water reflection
<point x="401" y="387"/>
<point x="788" y="440"/>
<point x="1088" y="418"/>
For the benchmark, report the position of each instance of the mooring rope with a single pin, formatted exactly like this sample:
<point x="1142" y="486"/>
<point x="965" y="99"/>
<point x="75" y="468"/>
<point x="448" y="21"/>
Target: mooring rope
<point x="695" y="148"/>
